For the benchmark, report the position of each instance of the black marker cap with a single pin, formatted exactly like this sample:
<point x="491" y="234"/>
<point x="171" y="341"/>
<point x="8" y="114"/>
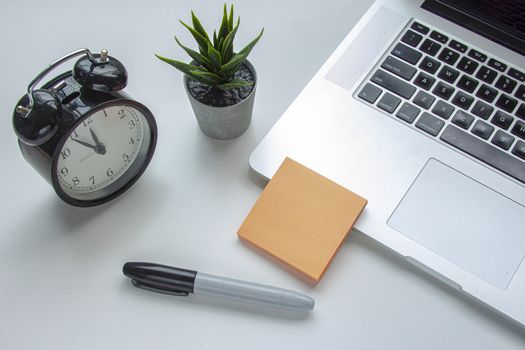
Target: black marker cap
<point x="160" y="278"/>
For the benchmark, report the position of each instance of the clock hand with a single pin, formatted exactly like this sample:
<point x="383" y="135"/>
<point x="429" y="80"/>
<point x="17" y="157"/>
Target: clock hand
<point x="99" y="147"/>
<point x="95" y="138"/>
<point x="85" y="144"/>
<point x="86" y="157"/>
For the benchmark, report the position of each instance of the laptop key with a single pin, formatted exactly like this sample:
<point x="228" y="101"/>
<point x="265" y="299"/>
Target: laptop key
<point x="393" y="84"/>
<point x="430" y="65"/>
<point x="463" y="119"/>
<point x="516" y="74"/>
<point x="456" y="45"/>
<point x="443" y="90"/>
<point x="418" y="27"/>
<point x="406" y="53"/>
<point x="467" y="65"/>
<point x="502" y="140"/>
<point x="487" y="93"/>
<point x="467" y="83"/>
<point x="506" y="84"/>
<point x="439" y="37"/>
<point x="462" y="100"/>
<point x="443" y="109"/>
<point x="497" y="65"/>
<point x="370" y="93"/>
<point x="389" y="102"/>
<point x="408" y="112"/>
<point x="519" y="149"/>
<point x="506" y="103"/>
<point x="477" y="55"/>
<point x="398" y="67"/>
<point x="482" y="129"/>
<point x="424" y="81"/>
<point x="448" y="74"/>
<point x="484" y="151"/>
<point x="519" y="129"/>
<point x="448" y="56"/>
<point x="520" y="113"/>
<point x="520" y="93"/>
<point x="430" y="124"/>
<point x="502" y="120"/>
<point x="424" y="100"/>
<point x="486" y="74"/>
<point x="430" y="47"/>
<point x="411" y="38"/>
<point x="482" y="110"/>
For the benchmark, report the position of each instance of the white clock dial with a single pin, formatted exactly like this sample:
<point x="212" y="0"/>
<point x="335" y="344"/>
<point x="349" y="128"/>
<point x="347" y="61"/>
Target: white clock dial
<point x="103" y="152"/>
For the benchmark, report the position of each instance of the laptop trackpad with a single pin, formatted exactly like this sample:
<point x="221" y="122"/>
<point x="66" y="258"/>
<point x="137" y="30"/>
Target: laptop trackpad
<point x="464" y="221"/>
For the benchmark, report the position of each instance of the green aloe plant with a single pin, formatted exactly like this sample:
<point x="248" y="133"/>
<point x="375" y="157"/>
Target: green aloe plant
<point x="217" y="61"/>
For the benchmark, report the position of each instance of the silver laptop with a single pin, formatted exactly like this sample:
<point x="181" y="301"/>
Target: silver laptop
<point x="421" y="110"/>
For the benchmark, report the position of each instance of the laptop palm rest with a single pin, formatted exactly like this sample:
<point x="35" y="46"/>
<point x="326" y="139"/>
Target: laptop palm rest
<point x="447" y="212"/>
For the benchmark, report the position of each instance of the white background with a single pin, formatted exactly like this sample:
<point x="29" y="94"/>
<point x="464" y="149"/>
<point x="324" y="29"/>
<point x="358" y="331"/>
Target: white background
<point x="61" y="285"/>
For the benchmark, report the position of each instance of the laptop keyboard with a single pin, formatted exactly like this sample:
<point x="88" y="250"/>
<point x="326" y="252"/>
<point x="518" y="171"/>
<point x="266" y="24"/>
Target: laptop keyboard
<point x="454" y="93"/>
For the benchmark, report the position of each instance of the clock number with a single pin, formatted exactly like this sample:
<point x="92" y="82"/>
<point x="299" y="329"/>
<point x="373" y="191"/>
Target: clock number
<point x="109" y="172"/>
<point x="131" y="141"/>
<point x="75" y="180"/>
<point x="65" y="153"/>
<point x="92" y="179"/>
<point x="87" y="121"/>
<point x="64" y="171"/>
<point x="131" y="124"/>
<point x="125" y="157"/>
<point x="121" y="113"/>
<point x="74" y="133"/>
<point x="105" y="113"/>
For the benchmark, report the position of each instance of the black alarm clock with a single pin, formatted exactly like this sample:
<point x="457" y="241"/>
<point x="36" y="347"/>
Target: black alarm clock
<point x="82" y="133"/>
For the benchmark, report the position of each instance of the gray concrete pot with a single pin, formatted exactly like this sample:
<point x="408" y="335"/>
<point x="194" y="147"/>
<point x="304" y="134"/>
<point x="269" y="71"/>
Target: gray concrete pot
<point x="228" y="122"/>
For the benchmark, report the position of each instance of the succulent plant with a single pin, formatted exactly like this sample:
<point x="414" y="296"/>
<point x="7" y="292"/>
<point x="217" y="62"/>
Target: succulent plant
<point x="217" y="61"/>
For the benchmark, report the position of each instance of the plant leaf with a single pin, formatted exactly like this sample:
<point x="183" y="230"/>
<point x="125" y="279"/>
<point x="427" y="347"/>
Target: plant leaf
<point x="182" y="66"/>
<point x="203" y="60"/>
<point x="198" y="26"/>
<point x="215" y="38"/>
<point x="248" y="48"/>
<point x="219" y="45"/>
<point x="215" y="57"/>
<point x="229" y="69"/>
<point x="235" y="83"/>
<point x="205" y="77"/>
<point x="227" y="48"/>
<point x="223" y="30"/>
<point x="230" y="20"/>
<point x="195" y="72"/>
<point x="201" y="41"/>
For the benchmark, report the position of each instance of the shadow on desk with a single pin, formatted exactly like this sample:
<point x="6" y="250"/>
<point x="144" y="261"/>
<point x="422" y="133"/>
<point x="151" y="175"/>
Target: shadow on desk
<point x="374" y="248"/>
<point x="48" y="219"/>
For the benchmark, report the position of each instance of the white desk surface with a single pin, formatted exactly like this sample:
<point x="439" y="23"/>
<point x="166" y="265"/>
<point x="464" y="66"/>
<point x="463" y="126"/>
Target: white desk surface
<point x="61" y="285"/>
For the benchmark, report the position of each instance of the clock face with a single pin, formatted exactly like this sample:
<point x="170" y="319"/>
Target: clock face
<point x="103" y="152"/>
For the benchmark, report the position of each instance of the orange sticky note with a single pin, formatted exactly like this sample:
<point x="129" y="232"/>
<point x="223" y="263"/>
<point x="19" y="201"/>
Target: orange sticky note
<point x="301" y="218"/>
